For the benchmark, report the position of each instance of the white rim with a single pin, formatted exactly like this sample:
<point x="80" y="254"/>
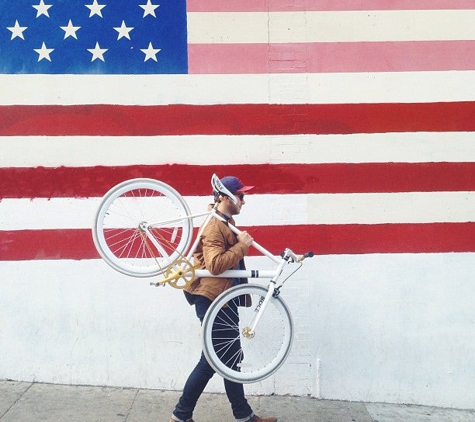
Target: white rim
<point x="114" y="193"/>
<point x="268" y="369"/>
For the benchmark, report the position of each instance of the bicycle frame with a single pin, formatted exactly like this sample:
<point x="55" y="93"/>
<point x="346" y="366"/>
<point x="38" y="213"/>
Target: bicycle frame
<point x="272" y="274"/>
<point x="164" y="246"/>
<point x="131" y="239"/>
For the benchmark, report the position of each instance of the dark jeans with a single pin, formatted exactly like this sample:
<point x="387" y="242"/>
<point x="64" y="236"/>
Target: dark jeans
<point x="200" y="376"/>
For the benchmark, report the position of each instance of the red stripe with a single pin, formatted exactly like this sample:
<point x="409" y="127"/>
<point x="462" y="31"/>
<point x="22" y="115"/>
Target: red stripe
<point x="331" y="57"/>
<point x="316" y="5"/>
<point x="322" y="239"/>
<point x="247" y="119"/>
<point x="190" y="180"/>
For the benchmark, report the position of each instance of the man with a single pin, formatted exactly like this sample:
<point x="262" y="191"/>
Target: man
<point x="219" y="250"/>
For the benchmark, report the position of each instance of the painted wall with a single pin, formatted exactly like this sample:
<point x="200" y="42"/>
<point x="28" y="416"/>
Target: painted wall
<point x="354" y="119"/>
<point x="391" y="328"/>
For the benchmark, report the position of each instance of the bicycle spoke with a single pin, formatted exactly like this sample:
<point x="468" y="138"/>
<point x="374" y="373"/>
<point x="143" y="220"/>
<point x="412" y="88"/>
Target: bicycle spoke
<point x="129" y="246"/>
<point x="122" y="243"/>
<point x="118" y="233"/>
<point x="236" y="352"/>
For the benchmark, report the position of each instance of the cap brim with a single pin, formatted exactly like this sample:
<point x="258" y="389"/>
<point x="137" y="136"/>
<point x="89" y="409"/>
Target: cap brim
<point x="244" y="189"/>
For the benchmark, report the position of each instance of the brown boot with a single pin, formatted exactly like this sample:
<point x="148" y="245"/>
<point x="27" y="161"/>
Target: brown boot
<point x="256" y="418"/>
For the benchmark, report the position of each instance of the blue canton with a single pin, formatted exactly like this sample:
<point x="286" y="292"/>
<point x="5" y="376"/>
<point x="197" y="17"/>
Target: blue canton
<point x="93" y="36"/>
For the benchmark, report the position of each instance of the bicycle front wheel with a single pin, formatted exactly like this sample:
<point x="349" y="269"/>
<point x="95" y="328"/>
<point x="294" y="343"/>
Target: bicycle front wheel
<point x="231" y="349"/>
<point x="119" y="227"/>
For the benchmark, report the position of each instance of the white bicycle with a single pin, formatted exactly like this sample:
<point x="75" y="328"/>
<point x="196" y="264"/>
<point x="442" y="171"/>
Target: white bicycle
<point x="144" y="228"/>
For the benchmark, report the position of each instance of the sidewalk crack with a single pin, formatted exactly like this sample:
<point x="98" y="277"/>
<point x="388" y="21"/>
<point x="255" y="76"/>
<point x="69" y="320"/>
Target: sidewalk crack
<point x="16" y="401"/>
<point x="132" y="405"/>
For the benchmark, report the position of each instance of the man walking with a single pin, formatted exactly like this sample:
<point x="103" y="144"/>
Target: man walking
<point x="219" y="250"/>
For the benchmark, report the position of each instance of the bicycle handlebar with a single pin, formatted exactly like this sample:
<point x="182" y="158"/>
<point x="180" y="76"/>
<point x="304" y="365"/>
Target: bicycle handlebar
<point x="289" y="254"/>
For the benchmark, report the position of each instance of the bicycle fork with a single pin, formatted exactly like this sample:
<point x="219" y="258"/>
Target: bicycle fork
<point x="250" y="331"/>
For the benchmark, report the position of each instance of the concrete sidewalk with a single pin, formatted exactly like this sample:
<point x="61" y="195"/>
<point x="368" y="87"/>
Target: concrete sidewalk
<point x="34" y="402"/>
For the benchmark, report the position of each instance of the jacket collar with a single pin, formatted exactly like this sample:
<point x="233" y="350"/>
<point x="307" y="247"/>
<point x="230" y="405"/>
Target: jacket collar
<point x="227" y="218"/>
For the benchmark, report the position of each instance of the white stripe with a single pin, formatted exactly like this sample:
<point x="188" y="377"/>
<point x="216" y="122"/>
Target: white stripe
<point x="326" y="88"/>
<point x="88" y="151"/>
<point x="374" y="148"/>
<point x="332" y="26"/>
<point x="413" y="207"/>
<point x="265" y="210"/>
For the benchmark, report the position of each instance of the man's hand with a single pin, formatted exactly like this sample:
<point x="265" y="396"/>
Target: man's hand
<point x="246" y="238"/>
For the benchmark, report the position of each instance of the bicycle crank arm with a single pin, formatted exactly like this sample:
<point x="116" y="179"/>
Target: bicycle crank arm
<point x="179" y="275"/>
<point x="174" y="278"/>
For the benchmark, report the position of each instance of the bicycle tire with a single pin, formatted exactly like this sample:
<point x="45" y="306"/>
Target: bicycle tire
<point x="116" y="231"/>
<point x="235" y="356"/>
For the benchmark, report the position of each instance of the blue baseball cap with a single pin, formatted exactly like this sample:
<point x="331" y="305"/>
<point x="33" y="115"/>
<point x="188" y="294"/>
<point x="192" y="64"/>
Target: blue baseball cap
<point x="234" y="185"/>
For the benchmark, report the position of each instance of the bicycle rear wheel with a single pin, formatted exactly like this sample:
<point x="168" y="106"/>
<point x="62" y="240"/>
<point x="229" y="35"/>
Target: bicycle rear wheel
<point x="231" y="350"/>
<point x="125" y="210"/>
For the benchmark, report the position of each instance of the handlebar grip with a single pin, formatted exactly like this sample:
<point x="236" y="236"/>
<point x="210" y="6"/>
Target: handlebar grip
<point x="306" y="255"/>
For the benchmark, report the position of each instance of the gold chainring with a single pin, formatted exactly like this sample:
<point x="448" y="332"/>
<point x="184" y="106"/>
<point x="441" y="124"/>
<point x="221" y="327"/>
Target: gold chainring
<point x="180" y="274"/>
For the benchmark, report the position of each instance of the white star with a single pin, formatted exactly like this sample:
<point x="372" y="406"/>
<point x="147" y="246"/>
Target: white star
<point x="150" y="52"/>
<point x="95" y="8"/>
<point x="17" y="30"/>
<point x="149" y="8"/>
<point x="97" y="52"/>
<point x="43" y="52"/>
<point x="123" y="30"/>
<point x="70" y="30"/>
<point x="42" y="9"/>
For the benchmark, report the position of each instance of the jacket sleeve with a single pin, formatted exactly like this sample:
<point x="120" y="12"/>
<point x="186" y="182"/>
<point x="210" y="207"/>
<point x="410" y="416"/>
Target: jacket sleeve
<point x="217" y="256"/>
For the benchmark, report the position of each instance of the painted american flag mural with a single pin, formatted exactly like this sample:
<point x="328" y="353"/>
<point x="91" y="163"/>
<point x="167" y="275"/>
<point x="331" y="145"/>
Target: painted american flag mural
<point x="378" y="114"/>
<point x="354" y="118"/>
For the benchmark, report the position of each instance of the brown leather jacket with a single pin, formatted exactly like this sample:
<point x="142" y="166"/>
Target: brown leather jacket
<point x="217" y="251"/>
